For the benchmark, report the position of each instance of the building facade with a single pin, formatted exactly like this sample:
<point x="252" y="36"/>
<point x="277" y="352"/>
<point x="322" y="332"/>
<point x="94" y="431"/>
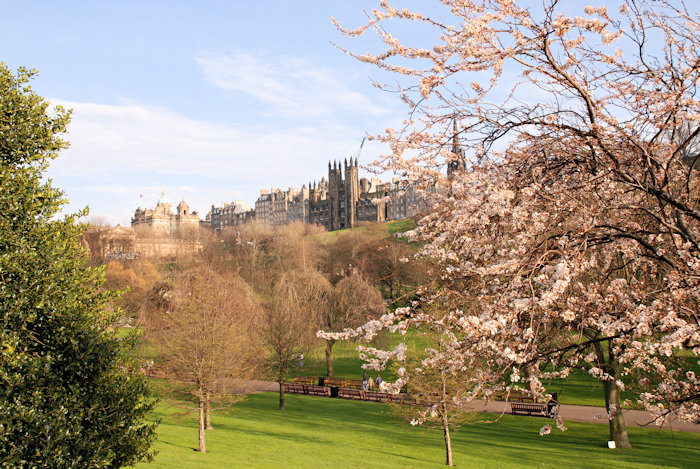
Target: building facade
<point x="125" y="243"/>
<point x="162" y="220"/>
<point x="230" y="214"/>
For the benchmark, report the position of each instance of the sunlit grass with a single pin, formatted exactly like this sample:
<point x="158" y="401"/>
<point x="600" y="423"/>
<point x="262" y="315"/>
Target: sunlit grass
<point x="325" y="432"/>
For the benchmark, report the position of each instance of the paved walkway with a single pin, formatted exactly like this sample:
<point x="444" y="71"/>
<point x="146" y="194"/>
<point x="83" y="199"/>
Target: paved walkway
<point x="582" y="413"/>
<point x="574" y="413"/>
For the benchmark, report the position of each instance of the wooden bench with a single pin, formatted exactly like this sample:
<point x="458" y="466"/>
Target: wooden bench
<point x="376" y="396"/>
<point x="346" y="393"/>
<point x="528" y="408"/>
<point x="353" y="383"/>
<point x="515" y="396"/>
<point x="304" y="380"/>
<point x="337" y="382"/>
<point x="402" y="398"/>
<point x="294" y="388"/>
<point x="317" y="390"/>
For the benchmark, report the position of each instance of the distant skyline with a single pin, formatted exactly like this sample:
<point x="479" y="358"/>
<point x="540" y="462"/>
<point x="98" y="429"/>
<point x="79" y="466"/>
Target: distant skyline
<point x="212" y="100"/>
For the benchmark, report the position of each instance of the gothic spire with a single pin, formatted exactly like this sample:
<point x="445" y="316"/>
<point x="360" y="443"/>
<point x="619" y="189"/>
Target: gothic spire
<point x="455" y="135"/>
<point x="457" y="162"/>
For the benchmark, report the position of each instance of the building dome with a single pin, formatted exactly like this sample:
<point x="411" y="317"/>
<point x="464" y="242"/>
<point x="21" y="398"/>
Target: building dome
<point x="163" y="199"/>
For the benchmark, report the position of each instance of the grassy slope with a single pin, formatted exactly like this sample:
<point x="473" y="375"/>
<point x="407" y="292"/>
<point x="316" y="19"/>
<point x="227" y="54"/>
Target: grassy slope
<point x="323" y="432"/>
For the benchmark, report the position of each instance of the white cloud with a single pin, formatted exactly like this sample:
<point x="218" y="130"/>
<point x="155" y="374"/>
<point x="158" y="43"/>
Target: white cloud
<point x="120" y="151"/>
<point x="289" y="86"/>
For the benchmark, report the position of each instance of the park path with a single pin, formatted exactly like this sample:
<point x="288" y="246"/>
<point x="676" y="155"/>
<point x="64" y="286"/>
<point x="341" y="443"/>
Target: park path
<point x="574" y="413"/>
<point x="583" y="413"/>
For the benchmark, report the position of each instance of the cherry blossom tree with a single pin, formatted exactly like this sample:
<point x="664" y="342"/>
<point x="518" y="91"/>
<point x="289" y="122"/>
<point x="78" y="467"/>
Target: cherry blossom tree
<point x="444" y="387"/>
<point x="571" y="236"/>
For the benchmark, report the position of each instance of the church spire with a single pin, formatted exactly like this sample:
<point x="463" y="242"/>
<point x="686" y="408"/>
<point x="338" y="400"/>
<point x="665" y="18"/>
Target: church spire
<point x="455" y="135"/>
<point x="457" y="162"/>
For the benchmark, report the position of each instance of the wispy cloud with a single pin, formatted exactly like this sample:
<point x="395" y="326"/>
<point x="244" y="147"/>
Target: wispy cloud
<point x="121" y="151"/>
<point x="288" y="86"/>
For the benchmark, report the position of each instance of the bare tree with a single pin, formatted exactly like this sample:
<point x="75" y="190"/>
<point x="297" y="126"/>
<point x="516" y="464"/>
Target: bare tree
<point x="289" y="319"/>
<point x="352" y="302"/>
<point x="207" y="338"/>
<point x="132" y="278"/>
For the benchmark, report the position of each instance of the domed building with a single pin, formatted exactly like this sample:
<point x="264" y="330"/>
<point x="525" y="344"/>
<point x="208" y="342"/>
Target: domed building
<point x="162" y="220"/>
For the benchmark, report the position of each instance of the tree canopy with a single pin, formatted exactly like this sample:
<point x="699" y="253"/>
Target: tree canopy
<point x="67" y="398"/>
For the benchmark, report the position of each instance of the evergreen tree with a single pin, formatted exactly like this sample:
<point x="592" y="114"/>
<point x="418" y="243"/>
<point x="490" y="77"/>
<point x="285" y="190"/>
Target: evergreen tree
<point x="67" y="398"/>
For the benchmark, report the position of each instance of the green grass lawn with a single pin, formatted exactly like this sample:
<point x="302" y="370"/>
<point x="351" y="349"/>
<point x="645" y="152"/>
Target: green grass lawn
<point x="346" y="362"/>
<point x="333" y="433"/>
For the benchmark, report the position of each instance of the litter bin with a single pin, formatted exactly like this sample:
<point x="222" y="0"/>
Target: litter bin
<point x="334" y="391"/>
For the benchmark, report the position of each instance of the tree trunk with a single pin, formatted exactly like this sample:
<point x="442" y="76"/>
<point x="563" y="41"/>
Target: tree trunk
<point x="444" y="411"/>
<point x="202" y="445"/>
<point x="529" y="373"/>
<point x="207" y="417"/>
<point x="280" y="380"/>
<point x="448" y="443"/>
<point x="618" y="428"/>
<point x="329" y="358"/>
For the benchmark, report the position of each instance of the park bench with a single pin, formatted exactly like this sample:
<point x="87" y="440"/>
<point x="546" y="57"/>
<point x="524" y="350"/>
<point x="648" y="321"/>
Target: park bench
<point x="353" y="383"/>
<point x="402" y="398"/>
<point x="337" y="382"/>
<point x="515" y="396"/>
<point x="346" y="393"/>
<point x="294" y="388"/>
<point x="376" y="396"/>
<point x="528" y="408"/>
<point x="317" y="390"/>
<point x="304" y="380"/>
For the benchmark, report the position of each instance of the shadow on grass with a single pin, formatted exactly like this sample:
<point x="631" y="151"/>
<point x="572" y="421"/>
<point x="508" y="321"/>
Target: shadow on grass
<point x="169" y="443"/>
<point x="268" y="433"/>
<point x="403" y="456"/>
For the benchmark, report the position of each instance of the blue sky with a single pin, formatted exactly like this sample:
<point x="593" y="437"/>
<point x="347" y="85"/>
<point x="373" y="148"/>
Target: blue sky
<point x="212" y="100"/>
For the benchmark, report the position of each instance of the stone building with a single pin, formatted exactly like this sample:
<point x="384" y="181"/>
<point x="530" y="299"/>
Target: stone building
<point x="298" y="206"/>
<point x="345" y="199"/>
<point x="263" y="207"/>
<point x="125" y="243"/>
<point x="371" y="205"/>
<point x="110" y="243"/>
<point x="162" y="220"/>
<point x="280" y="202"/>
<point x="230" y="214"/>
<point x="404" y="201"/>
<point x="318" y="203"/>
